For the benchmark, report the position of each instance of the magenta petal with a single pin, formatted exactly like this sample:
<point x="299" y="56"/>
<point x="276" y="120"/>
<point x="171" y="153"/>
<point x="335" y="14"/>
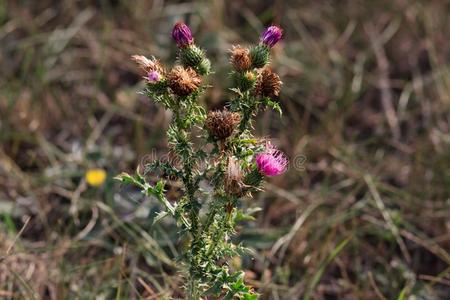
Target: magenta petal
<point x="182" y="35"/>
<point x="271" y="36"/>
<point x="271" y="162"/>
<point x="153" y="76"/>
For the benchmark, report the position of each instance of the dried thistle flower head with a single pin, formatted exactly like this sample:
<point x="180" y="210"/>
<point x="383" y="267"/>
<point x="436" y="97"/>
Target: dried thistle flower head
<point x="240" y="58"/>
<point x="268" y="83"/>
<point x="233" y="177"/>
<point x="148" y="65"/>
<point x="183" y="81"/>
<point x="221" y="123"/>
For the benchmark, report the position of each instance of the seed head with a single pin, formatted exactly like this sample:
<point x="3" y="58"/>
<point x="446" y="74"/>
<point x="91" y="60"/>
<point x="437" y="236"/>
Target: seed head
<point x="268" y="83"/>
<point x="148" y="65"/>
<point x="240" y="58"/>
<point x="182" y="35"/>
<point x="271" y="36"/>
<point x="221" y="123"/>
<point x="233" y="177"/>
<point x="272" y="161"/>
<point x="183" y="81"/>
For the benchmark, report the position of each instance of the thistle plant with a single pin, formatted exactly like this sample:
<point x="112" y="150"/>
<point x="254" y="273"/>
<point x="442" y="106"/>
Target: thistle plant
<point x="219" y="161"/>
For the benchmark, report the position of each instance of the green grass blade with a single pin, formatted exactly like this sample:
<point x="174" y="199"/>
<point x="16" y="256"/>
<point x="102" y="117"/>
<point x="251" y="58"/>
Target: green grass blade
<point x="324" y="264"/>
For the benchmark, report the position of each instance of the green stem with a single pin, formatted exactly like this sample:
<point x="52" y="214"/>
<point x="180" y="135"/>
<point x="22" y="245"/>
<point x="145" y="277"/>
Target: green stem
<point x="219" y="235"/>
<point x="194" y="207"/>
<point x="193" y="291"/>
<point x="245" y="122"/>
<point x="247" y="112"/>
<point x="214" y="206"/>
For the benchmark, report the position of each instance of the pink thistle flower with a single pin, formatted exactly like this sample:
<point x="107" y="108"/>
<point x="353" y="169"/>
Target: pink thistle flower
<point x="271" y="36"/>
<point x="153" y="76"/>
<point x="272" y="161"/>
<point x="182" y="35"/>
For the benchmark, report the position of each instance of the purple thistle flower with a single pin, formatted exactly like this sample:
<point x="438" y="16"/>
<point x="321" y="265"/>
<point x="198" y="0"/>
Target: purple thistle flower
<point x="271" y="36"/>
<point x="272" y="161"/>
<point x="182" y="35"/>
<point x="153" y="76"/>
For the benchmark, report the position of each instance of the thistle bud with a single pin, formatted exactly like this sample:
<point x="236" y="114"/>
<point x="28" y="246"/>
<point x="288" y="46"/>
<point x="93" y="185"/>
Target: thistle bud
<point x="268" y="84"/>
<point x="222" y="123"/>
<point x="271" y="36"/>
<point x="194" y="57"/>
<point x="182" y="35"/>
<point x="259" y="55"/>
<point x="204" y="67"/>
<point x="245" y="81"/>
<point x="240" y="58"/>
<point x="233" y="178"/>
<point x="183" y="81"/>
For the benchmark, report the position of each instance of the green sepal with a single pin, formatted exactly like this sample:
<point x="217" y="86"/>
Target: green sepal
<point x="259" y="55"/>
<point x="159" y="87"/>
<point x="254" y="178"/>
<point x="195" y="58"/>
<point x="244" y="81"/>
<point x="204" y="67"/>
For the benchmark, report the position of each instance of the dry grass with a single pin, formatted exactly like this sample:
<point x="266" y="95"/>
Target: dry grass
<point x="366" y="99"/>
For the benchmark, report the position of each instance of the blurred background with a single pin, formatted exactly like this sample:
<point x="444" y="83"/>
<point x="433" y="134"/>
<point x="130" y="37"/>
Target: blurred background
<point x="364" y="214"/>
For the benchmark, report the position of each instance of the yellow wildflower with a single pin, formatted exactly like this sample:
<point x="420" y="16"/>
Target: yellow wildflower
<point x="95" y="177"/>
